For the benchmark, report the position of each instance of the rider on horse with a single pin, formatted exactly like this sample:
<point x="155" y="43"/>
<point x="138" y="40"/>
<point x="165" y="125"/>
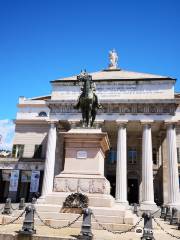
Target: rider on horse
<point x="88" y="100"/>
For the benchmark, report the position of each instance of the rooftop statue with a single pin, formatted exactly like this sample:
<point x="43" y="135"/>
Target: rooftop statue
<point x="113" y="59"/>
<point x="88" y="100"/>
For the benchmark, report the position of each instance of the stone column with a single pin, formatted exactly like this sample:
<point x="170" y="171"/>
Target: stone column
<point x="48" y="178"/>
<point x="173" y="181"/>
<point x="147" y="169"/>
<point x="121" y="165"/>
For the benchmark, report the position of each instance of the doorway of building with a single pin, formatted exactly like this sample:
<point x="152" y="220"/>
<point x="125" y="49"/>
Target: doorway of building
<point x="133" y="191"/>
<point x="112" y="180"/>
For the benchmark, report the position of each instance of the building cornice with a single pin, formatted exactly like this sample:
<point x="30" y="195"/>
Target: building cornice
<point x="129" y="107"/>
<point x="30" y="121"/>
<point x="74" y="81"/>
<point x="120" y="101"/>
<point x="32" y="104"/>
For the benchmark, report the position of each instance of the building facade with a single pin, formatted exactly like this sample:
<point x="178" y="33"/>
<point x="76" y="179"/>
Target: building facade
<point x="141" y="116"/>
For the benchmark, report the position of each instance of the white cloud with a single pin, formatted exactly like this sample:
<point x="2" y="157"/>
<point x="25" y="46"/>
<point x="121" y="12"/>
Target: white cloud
<point x="6" y="133"/>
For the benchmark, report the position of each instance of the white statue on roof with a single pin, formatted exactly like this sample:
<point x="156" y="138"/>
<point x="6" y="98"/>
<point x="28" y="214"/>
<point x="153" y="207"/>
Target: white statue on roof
<point x="113" y="59"/>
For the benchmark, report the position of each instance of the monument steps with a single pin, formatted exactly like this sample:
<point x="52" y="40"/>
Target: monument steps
<point x="111" y="226"/>
<point x="114" y="211"/>
<point x="97" y="200"/>
<point x="115" y="218"/>
<point x="67" y="216"/>
<point x="57" y="223"/>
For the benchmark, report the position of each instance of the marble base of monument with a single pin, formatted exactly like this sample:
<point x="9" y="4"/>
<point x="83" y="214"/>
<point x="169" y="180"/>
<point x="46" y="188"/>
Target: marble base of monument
<point x="84" y="166"/>
<point x="84" y="172"/>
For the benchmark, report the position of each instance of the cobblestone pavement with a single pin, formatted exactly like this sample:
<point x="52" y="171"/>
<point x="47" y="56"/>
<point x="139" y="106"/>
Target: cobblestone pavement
<point x="46" y="233"/>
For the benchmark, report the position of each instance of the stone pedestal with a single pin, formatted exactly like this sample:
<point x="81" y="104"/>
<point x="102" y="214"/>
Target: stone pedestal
<point x="84" y="164"/>
<point x="84" y="172"/>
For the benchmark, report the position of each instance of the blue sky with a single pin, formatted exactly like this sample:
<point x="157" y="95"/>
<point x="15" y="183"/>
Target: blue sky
<point x="41" y="40"/>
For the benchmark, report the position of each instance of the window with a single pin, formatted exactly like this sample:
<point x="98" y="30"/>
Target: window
<point x="178" y="155"/>
<point x="132" y="155"/>
<point x="42" y="114"/>
<point x="112" y="156"/>
<point x="154" y="156"/>
<point x="18" y="150"/>
<point x="37" y="151"/>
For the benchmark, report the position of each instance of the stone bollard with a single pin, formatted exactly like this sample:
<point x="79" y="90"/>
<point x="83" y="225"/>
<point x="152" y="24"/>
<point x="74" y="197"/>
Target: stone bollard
<point x="7" y="207"/>
<point x="135" y="211"/>
<point x="178" y="220"/>
<point x="28" y="223"/>
<point x="86" y="233"/>
<point x="163" y="211"/>
<point x="33" y="201"/>
<point x="147" y="230"/>
<point x="167" y="217"/>
<point x="22" y="204"/>
<point x="174" y="216"/>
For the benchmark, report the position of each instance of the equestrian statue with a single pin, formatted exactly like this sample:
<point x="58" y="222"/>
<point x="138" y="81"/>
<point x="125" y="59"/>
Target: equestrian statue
<point x="88" y="100"/>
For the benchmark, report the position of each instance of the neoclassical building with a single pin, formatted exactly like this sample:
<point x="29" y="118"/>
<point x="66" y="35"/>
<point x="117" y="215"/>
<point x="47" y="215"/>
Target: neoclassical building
<point x="140" y="115"/>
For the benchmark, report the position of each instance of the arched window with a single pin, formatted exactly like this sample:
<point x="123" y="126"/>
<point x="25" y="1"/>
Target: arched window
<point x="42" y="114"/>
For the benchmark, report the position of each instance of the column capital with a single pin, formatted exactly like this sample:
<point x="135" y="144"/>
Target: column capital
<point x="52" y="123"/>
<point x="170" y="122"/>
<point x="73" y="123"/>
<point x="99" y="123"/>
<point x="122" y="123"/>
<point x="147" y="122"/>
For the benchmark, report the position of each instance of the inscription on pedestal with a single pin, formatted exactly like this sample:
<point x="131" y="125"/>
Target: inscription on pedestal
<point x="81" y="155"/>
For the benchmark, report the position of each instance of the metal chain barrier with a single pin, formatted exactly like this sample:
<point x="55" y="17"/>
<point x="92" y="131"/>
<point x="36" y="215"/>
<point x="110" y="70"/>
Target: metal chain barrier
<point x="155" y="212"/>
<point x="14" y="220"/>
<point x="116" y="232"/>
<point x="170" y="234"/>
<point x="14" y="208"/>
<point x="60" y="227"/>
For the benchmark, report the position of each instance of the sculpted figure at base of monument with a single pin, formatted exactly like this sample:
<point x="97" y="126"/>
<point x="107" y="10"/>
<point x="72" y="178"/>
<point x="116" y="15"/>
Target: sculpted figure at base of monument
<point x="99" y="185"/>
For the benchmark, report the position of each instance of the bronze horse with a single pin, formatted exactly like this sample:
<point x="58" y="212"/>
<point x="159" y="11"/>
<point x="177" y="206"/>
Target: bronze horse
<point x="88" y="100"/>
